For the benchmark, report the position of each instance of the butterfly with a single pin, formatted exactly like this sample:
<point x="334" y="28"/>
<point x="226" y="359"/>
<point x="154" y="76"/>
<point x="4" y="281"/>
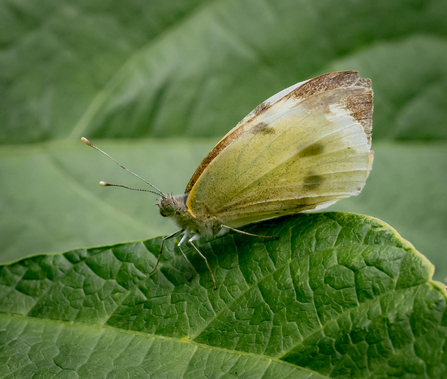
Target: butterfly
<point x="301" y="150"/>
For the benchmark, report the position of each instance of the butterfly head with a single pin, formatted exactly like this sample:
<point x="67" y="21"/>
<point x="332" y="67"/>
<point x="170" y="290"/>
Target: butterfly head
<point x="170" y="206"/>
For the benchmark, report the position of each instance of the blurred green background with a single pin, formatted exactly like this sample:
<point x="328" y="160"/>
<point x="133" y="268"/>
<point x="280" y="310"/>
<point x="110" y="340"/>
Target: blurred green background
<point x="157" y="83"/>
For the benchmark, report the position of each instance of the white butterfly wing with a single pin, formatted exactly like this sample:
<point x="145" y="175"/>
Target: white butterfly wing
<point x="301" y="150"/>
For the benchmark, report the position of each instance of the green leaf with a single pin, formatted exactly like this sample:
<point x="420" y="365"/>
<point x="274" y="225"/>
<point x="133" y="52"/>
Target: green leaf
<point x="336" y="295"/>
<point x="159" y="76"/>
<point x="159" y="69"/>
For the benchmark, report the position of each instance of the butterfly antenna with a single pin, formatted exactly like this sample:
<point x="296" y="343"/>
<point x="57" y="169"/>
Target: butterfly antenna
<point x="104" y="184"/>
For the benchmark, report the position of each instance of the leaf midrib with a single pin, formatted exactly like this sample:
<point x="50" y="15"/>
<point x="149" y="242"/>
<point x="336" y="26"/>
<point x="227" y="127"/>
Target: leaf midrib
<point x="160" y="337"/>
<point x="97" y="100"/>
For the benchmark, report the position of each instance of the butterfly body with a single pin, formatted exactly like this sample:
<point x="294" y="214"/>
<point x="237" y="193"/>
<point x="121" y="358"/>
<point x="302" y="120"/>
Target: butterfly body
<point x="175" y="206"/>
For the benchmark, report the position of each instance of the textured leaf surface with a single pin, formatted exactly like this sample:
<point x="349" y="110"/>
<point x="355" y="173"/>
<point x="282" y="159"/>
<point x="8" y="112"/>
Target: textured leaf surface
<point x="337" y="295"/>
<point x="149" y="73"/>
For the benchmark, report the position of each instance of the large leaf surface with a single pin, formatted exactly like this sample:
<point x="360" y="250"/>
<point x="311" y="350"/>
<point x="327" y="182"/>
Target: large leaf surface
<point x="197" y="68"/>
<point x="336" y="295"/>
<point x="170" y="70"/>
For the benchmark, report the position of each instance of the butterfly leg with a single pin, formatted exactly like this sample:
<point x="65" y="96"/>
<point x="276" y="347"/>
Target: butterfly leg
<point x="161" y="248"/>
<point x="248" y="234"/>
<point x="206" y="261"/>
<point x="185" y="236"/>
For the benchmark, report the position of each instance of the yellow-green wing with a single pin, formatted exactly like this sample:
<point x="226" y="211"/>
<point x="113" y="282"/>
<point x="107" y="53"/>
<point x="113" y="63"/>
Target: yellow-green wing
<point x="301" y="150"/>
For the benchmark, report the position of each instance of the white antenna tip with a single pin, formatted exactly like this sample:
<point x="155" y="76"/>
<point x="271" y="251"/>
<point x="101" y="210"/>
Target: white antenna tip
<point x="104" y="184"/>
<point x="86" y="141"/>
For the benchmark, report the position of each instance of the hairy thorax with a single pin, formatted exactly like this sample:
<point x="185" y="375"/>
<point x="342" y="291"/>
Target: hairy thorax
<point x="175" y="206"/>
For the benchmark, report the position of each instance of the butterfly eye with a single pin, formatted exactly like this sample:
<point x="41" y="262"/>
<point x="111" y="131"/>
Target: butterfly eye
<point x="166" y="206"/>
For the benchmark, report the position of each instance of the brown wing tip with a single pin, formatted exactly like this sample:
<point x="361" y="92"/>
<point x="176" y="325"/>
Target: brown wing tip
<point x="330" y="81"/>
<point x="359" y="103"/>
